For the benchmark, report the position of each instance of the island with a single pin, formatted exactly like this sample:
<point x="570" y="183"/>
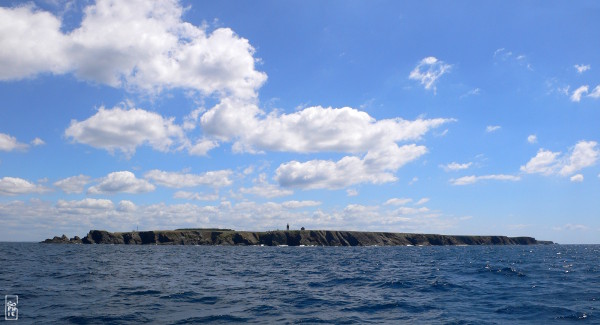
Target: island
<point x="206" y="236"/>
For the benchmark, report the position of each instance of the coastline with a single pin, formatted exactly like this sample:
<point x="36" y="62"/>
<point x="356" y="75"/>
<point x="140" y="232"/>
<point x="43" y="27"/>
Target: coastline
<point x="286" y="238"/>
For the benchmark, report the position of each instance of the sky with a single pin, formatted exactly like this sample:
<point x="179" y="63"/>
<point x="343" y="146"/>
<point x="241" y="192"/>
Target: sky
<point x="477" y="118"/>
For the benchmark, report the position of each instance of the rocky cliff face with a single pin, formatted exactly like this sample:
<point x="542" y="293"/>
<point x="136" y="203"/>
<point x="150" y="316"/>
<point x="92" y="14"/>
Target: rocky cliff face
<point x="63" y="240"/>
<point x="290" y="238"/>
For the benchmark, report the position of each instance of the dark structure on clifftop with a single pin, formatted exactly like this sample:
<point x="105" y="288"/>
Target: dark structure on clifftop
<point x="290" y="238"/>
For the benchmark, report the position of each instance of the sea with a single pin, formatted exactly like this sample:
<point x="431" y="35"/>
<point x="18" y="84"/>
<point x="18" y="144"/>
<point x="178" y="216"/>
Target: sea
<point x="123" y="284"/>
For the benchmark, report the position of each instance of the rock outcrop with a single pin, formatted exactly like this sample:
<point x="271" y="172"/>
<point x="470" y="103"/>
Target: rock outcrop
<point x="63" y="240"/>
<point x="289" y="238"/>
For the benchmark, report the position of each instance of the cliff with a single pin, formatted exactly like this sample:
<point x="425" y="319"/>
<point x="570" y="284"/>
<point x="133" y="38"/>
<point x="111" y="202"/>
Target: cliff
<point x="290" y="238"/>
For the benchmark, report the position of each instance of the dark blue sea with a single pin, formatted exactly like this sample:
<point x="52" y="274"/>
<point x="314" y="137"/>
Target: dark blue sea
<point x="120" y="284"/>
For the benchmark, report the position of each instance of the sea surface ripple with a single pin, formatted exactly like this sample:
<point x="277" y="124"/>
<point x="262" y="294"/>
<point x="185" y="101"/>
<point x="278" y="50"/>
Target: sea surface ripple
<point x="121" y="284"/>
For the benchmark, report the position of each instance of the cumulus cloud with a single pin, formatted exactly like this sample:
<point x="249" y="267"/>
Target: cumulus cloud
<point x="121" y="182"/>
<point x="410" y="210"/>
<point x="428" y="71"/>
<point x="146" y="46"/>
<point x="532" y="138"/>
<point x="38" y="142"/>
<point x="32" y="43"/>
<point x="397" y="201"/>
<point x="545" y="162"/>
<point x="73" y="184"/>
<point x="10" y="143"/>
<point x="454" y="166"/>
<point x="577" y="93"/>
<point x="18" y="186"/>
<point x="83" y="206"/>
<point x="351" y="192"/>
<point x="125" y="130"/>
<point x="376" y="167"/>
<point x="195" y="196"/>
<point x="218" y="178"/>
<point x="313" y="129"/>
<point x="126" y="206"/>
<point x="202" y="147"/>
<point x="422" y="201"/>
<point x="492" y="128"/>
<point x="577" y="178"/>
<point x="583" y="154"/>
<point x="299" y="204"/>
<point x="140" y="45"/>
<point x="319" y="129"/>
<point x="581" y="68"/>
<point x="265" y="189"/>
<point x="467" y="180"/>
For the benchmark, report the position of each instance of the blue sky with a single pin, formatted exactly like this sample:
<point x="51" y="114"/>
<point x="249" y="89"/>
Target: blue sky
<point x="435" y="117"/>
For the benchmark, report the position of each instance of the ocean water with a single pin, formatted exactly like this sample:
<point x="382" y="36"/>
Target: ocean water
<point x="119" y="284"/>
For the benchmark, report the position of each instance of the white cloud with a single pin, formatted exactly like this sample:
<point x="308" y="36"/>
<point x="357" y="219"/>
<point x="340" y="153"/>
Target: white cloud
<point x="313" y="129"/>
<point x="140" y="45"/>
<point x="121" y="182"/>
<point x="572" y="227"/>
<point x="397" y="201"/>
<point x="512" y="58"/>
<point x="501" y="51"/>
<point x="472" y="92"/>
<point x="83" y="206"/>
<point x="408" y="210"/>
<point x="299" y="204"/>
<point x="375" y="167"/>
<point x="125" y="129"/>
<point x="428" y="71"/>
<point x="17" y="186"/>
<point x="195" y="196"/>
<point x="595" y="93"/>
<point x="351" y="192"/>
<point x="492" y="128"/>
<point x="545" y="162"/>
<point x="581" y="68"/>
<point x="584" y="154"/>
<point x="532" y="138"/>
<point x="265" y="189"/>
<point x="577" y="178"/>
<point x="38" y="142"/>
<point x="454" y="166"/>
<point x="126" y="206"/>
<point x="31" y="43"/>
<point x="202" y="147"/>
<point x="10" y="143"/>
<point x="318" y="129"/>
<point x="422" y="201"/>
<point x="77" y="217"/>
<point x="467" y="180"/>
<point x="218" y="178"/>
<point x="73" y="184"/>
<point x="577" y="93"/>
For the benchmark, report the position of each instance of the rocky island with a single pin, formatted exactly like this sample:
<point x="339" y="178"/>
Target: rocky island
<point x="285" y="237"/>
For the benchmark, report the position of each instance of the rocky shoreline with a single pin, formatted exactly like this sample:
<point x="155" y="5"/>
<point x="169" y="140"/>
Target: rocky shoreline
<point x="283" y="238"/>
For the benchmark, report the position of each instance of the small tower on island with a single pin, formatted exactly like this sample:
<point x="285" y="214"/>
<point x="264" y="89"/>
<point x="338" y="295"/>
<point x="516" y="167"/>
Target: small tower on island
<point x="288" y="227"/>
